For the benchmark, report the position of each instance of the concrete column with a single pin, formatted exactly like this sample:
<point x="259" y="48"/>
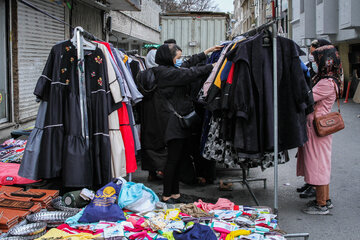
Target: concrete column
<point x="344" y="53"/>
<point x="67" y="19"/>
<point x="290" y="18"/>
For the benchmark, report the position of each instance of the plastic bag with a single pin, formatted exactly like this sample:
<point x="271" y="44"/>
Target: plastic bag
<point x="103" y="206"/>
<point x="137" y="198"/>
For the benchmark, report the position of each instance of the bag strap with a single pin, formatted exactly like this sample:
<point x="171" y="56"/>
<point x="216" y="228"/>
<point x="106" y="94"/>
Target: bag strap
<point x="337" y="99"/>
<point x="336" y="92"/>
<point x="170" y="106"/>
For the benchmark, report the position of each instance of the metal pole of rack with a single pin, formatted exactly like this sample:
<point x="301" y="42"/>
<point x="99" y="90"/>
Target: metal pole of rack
<point x="276" y="147"/>
<point x="306" y="236"/>
<point x="80" y="76"/>
<point x="82" y="86"/>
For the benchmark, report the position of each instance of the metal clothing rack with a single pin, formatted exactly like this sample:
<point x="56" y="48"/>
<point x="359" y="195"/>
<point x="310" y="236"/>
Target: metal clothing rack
<point x="245" y="180"/>
<point x="273" y="25"/>
<point x="132" y="52"/>
<point x="245" y="171"/>
<point x="82" y="86"/>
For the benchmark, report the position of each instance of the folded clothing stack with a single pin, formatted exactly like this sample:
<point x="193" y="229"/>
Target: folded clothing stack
<point x="12" y="151"/>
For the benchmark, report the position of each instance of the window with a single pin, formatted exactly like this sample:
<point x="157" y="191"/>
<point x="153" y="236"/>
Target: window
<point x="318" y="2"/>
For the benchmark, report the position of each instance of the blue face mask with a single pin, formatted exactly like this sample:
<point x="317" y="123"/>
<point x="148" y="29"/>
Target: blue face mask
<point x="314" y="67"/>
<point x="178" y="63"/>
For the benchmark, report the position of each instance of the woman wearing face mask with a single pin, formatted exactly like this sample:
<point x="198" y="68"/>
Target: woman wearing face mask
<point x="314" y="158"/>
<point x="308" y="191"/>
<point x="173" y="87"/>
<point x="314" y="45"/>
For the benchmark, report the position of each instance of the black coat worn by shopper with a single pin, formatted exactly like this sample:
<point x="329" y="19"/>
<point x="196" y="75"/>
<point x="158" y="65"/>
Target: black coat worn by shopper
<point x="153" y="146"/>
<point x="173" y="85"/>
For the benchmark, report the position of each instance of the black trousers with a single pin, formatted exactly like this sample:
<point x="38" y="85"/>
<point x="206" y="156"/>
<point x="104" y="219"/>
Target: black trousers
<point x="176" y="152"/>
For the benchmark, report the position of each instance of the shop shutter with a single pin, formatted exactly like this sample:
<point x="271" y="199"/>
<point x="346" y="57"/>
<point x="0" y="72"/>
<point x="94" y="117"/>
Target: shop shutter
<point x="37" y="33"/>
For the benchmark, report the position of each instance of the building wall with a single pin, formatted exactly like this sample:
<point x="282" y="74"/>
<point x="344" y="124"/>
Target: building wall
<point x="149" y="14"/>
<point x="344" y="53"/>
<point x="136" y="28"/>
<point x="88" y="17"/>
<point x="194" y="33"/>
<point x="237" y="27"/>
<point x="248" y="14"/>
<point x="334" y="20"/>
<point x="128" y="26"/>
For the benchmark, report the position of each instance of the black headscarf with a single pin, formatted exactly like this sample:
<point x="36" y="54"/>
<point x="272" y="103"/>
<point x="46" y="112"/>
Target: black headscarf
<point x="329" y="64"/>
<point x="163" y="56"/>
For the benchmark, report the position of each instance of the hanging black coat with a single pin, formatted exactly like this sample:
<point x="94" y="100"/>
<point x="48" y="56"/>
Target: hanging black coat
<point x="63" y="151"/>
<point x="173" y="85"/>
<point x="253" y="97"/>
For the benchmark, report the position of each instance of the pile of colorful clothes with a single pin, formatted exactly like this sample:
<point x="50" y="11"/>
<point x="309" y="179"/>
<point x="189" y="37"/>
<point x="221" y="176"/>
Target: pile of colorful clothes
<point x="127" y="210"/>
<point x="12" y="151"/>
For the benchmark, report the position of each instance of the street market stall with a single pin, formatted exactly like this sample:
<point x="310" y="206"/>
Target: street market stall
<point x="85" y="134"/>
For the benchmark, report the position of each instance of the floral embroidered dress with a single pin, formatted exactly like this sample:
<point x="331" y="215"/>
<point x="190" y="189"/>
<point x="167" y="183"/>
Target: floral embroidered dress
<point x="63" y="151"/>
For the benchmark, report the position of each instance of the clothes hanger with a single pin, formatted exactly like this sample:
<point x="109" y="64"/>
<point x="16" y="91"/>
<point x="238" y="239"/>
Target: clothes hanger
<point x="86" y="44"/>
<point x="266" y="38"/>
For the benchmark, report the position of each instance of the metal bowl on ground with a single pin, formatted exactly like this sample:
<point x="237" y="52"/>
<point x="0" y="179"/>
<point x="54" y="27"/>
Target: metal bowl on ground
<point x="28" y="229"/>
<point x="51" y="217"/>
<point x="59" y="205"/>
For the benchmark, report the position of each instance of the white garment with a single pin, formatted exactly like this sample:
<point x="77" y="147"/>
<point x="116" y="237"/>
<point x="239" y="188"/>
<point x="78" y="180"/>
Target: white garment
<point x="118" y="158"/>
<point x="356" y="97"/>
<point x="113" y="83"/>
<point x="150" y="59"/>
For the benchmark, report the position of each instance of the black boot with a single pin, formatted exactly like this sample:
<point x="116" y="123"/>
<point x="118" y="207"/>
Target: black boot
<point x="308" y="193"/>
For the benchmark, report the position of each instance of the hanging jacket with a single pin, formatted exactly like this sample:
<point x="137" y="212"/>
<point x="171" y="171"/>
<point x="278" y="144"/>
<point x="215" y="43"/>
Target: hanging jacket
<point x="253" y="96"/>
<point x="63" y="151"/>
<point x="173" y="85"/>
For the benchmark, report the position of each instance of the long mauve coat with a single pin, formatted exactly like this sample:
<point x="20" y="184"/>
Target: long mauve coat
<point x="314" y="158"/>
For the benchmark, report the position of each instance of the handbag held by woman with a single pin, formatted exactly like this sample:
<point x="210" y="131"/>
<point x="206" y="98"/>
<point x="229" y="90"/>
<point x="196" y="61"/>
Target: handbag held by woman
<point x="329" y="123"/>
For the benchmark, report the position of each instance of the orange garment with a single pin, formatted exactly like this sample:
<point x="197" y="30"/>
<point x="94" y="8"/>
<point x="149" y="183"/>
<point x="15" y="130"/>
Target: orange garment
<point x="217" y="81"/>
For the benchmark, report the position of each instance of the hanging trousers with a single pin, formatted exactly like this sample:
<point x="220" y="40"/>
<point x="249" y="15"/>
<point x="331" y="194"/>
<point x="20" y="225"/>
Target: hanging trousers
<point x="322" y="194"/>
<point x="176" y="153"/>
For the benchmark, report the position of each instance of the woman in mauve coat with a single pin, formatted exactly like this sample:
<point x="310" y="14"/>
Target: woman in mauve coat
<point x="314" y="158"/>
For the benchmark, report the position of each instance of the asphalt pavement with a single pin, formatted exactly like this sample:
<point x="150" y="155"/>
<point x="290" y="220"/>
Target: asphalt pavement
<point x="343" y="220"/>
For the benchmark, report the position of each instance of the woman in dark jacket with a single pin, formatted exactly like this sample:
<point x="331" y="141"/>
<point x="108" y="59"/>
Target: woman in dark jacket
<point x="173" y="89"/>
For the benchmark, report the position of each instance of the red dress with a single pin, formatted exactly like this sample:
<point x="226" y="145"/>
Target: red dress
<point x="126" y="131"/>
<point x="128" y="139"/>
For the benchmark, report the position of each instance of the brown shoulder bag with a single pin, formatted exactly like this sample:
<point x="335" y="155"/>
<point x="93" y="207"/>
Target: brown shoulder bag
<point x="329" y="123"/>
